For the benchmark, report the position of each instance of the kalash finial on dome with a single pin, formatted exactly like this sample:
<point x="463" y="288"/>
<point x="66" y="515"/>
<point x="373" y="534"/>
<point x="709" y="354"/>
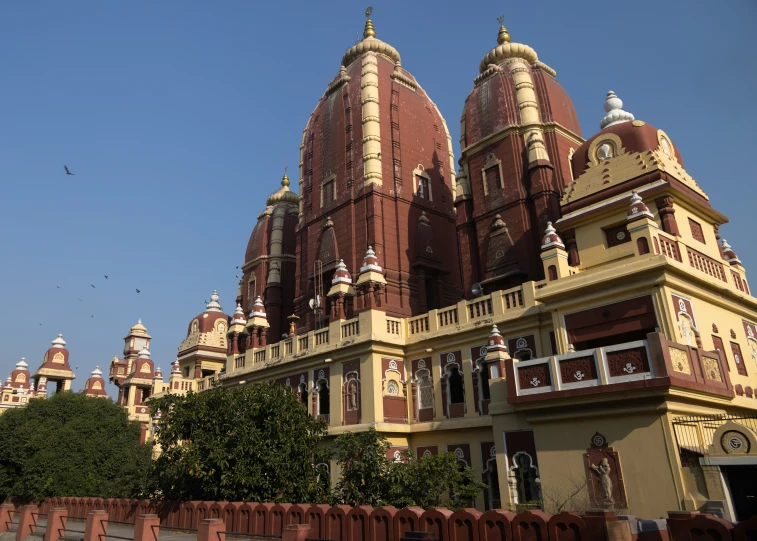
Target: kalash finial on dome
<point x="97" y="373"/>
<point x="213" y="305"/>
<point x="22" y="365"/>
<point x="615" y="113"/>
<point x="144" y="353"/>
<point x="504" y="35"/>
<point x="285" y="178"/>
<point x="369" y="31"/>
<point x="59" y="342"/>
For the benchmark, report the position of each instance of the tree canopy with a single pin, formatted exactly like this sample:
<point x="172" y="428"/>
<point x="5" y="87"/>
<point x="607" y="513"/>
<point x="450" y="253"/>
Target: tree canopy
<point x="71" y="445"/>
<point x="248" y="443"/>
<point x="369" y="477"/>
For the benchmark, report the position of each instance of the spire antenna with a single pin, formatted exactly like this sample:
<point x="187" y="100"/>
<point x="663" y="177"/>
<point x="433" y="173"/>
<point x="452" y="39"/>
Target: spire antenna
<point x="369" y="31"/>
<point x="503" y="36"/>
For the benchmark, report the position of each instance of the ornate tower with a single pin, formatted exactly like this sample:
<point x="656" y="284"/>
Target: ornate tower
<point x="376" y="169"/>
<point x="95" y="385"/>
<point x="269" y="260"/>
<point x="55" y="367"/>
<point x="518" y="132"/>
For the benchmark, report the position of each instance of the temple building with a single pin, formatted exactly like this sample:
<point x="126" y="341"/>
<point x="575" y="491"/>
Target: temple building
<point x="562" y="313"/>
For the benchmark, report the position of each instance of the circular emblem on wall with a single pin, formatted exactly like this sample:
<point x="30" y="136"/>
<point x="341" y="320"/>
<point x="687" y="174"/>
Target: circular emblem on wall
<point x="393" y="365"/>
<point x="734" y="442"/>
<point x="451" y="357"/>
<point x="621" y="235"/>
<point x="321" y="374"/>
<point x="421" y="364"/>
<point x="484" y="350"/>
<point x="598" y="440"/>
<point x="302" y="378"/>
<point x="521" y="343"/>
<point x="681" y="305"/>
<point x="459" y="453"/>
<point x="392" y="388"/>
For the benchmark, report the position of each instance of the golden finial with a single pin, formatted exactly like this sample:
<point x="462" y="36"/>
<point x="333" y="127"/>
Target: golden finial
<point x="503" y="36"/>
<point x="369" y="31"/>
<point x="285" y="178"/>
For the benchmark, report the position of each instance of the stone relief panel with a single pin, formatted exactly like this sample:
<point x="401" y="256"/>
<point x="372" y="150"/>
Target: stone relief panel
<point x="628" y="362"/>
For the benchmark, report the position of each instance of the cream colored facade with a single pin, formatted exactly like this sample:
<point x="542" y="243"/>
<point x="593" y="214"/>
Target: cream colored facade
<point x="695" y="290"/>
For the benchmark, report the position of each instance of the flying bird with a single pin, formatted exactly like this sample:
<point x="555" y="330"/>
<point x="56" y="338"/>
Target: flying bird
<point x="237" y="267"/>
<point x="92" y="316"/>
<point x="106" y="276"/>
<point x="67" y="171"/>
<point x="137" y="291"/>
<point x="40" y="324"/>
<point x="93" y="286"/>
<point x="79" y="299"/>
<point x="58" y="287"/>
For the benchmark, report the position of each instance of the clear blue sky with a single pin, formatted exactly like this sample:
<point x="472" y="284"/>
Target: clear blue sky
<point x="177" y="118"/>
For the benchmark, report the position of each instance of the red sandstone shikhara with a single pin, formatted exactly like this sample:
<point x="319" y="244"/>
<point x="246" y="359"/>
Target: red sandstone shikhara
<point x="213" y="521"/>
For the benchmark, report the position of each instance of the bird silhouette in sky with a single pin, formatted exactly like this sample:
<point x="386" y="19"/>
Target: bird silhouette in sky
<point x="40" y="324"/>
<point x="67" y="171"/>
<point x="93" y="286"/>
<point x="106" y="276"/>
<point x="237" y="266"/>
<point x="79" y="299"/>
<point x="92" y="316"/>
<point x="137" y="291"/>
<point x="58" y="287"/>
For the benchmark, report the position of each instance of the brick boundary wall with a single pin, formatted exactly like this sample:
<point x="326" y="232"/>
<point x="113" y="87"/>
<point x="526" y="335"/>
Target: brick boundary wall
<point x="364" y="523"/>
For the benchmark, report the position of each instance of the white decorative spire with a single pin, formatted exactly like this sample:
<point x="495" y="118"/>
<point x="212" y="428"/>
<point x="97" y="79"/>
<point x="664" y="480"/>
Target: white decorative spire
<point x="213" y="305"/>
<point x="21" y="365"/>
<point x="175" y="368"/>
<point x="239" y="316"/>
<point x="258" y="308"/>
<point x="239" y="309"/>
<point x="59" y="342"/>
<point x="144" y="353"/>
<point x="97" y="373"/>
<point x="615" y="113"/>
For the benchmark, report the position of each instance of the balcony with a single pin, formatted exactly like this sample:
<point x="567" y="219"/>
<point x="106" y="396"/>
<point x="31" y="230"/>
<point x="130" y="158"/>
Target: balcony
<point x="641" y="364"/>
<point x="376" y="325"/>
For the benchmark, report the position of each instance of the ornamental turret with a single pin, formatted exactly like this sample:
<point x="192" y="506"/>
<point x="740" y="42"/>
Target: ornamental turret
<point x="55" y="366"/>
<point x="95" y="385"/>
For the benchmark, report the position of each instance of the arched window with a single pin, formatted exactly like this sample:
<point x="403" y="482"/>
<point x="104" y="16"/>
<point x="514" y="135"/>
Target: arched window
<point x="195" y="326"/>
<point x="302" y="390"/>
<point x="642" y="245"/>
<point x="552" y="273"/>
<point x="483" y="378"/>
<point x="455" y="385"/>
<point x="425" y="389"/>
<point x="525" y="485"/>
<point x="323" y="397"/>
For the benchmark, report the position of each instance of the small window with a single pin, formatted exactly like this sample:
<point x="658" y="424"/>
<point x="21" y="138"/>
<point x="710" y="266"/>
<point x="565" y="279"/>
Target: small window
<point x="425" y="390"/>
<point x="455" y="382"/>
<point x="605" y="151"/>
<point x="696" y="230"/>
<point x="323" y="397"/>
<point x="422" y="187"/>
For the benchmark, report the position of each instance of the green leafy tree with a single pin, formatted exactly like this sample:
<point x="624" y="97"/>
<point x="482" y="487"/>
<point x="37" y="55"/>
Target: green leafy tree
<point x="71" y="445"/>
<point x="252" y="443"/>
<point x="370" y="478"/>
<point x="364" y="476"/>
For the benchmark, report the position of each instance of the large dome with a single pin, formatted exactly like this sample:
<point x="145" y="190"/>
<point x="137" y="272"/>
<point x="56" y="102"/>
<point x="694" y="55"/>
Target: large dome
<point x="493" y="104"/>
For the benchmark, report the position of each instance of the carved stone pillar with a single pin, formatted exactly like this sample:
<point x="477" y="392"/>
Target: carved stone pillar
<point x="263" y="336"/>
<point x="370" y="297"/>
<point x="569" y="237"/>
<point x="667" y="215"/>
<point x="234" y="343"/>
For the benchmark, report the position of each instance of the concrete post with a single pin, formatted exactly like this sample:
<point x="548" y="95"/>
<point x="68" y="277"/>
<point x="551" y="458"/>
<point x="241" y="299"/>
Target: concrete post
<point x="56" y="523"/>
<point x="96" y="526"/>
<point x="6" y="516"/>
<point x="146" y="528"/>
<point x="212" y="529"/>
<point x="26" y="521"/>
<point x="296" y="532"/>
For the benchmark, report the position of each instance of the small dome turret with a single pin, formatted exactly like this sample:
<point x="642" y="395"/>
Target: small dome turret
<point x="551" y="239"/>
<point x="213" y="305"/>
<point x="637" y="210"/>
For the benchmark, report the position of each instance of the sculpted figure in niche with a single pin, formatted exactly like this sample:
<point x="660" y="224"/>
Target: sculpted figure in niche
<point x="602" y="470"/>
<point x="352" y="395"/>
